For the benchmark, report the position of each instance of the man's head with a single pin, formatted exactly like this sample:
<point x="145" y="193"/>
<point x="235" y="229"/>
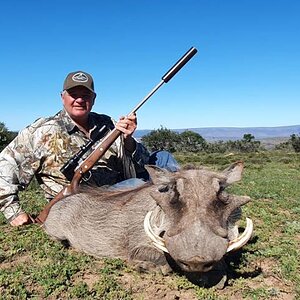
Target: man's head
<point x="78" y="95"/>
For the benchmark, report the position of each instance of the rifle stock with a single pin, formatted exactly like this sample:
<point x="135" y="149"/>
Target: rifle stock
<point x="104" y="145"/>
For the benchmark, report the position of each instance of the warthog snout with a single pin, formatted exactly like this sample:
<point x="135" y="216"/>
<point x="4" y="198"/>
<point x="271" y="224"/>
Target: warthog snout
<point x="196" y="264"/>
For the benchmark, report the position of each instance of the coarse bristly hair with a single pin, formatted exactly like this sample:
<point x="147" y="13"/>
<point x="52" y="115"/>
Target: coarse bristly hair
<point x="188" y="210"/>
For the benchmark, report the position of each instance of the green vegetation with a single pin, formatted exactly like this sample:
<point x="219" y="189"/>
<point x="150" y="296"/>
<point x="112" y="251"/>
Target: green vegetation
<point x="192" y="142"/>
<point x="295" y="141"/>
<point x="6" y="136"/>
<point x="32" y="266"/>
<point x="162" y="138"/>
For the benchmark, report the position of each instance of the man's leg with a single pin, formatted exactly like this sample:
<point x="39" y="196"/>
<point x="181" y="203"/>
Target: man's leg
<point x="164" y="160"/>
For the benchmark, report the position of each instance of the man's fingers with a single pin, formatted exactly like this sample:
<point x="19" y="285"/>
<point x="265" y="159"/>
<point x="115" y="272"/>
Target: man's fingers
<point x="21" y="219"/>
<point x="131" y="117"/>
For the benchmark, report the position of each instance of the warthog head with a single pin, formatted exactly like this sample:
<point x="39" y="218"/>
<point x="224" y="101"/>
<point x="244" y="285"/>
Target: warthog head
<point x="198" y="216"/>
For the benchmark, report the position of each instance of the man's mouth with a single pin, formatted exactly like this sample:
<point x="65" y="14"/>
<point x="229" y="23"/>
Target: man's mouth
<point x="80" y="107"/>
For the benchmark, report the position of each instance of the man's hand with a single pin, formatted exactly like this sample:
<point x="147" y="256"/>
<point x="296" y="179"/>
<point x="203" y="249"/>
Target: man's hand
<point x="21" y="219"/>
<point x="127" y="125"/>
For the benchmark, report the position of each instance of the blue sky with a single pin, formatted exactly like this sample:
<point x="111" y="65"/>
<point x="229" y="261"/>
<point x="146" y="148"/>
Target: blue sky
<point x="246" y="72"/>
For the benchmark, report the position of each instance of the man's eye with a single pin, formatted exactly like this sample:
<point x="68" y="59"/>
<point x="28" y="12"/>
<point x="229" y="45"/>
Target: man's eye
<point x="83" y="96"/>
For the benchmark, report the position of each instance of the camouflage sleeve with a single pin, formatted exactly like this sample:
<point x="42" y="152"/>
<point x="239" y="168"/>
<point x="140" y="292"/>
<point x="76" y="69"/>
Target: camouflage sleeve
<point x="17" y="167"/>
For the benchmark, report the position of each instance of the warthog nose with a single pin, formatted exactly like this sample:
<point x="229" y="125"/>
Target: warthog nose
<point x="197" y="263"/>
<point x="207" y="266"/>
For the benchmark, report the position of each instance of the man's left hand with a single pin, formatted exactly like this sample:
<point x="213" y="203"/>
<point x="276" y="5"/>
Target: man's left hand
<point x="127" y="125"/>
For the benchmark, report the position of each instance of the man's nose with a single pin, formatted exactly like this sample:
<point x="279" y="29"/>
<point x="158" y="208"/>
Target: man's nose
<point x="80" y="99"/>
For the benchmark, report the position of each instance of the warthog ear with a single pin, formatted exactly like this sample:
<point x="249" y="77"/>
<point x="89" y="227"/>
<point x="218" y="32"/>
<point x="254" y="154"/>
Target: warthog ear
<point x="233" y="173"/>
<point x="158" y="175"/>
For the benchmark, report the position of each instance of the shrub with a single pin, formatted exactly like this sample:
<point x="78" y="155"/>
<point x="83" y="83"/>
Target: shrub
<point x="6" y="136"/>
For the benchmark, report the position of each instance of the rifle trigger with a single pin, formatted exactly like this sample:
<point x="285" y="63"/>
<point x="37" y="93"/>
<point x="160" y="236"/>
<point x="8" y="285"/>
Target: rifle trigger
<point x="87" y="176"/>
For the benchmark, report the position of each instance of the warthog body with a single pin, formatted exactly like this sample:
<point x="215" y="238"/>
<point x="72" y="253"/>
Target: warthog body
<point x="191" y="211"/>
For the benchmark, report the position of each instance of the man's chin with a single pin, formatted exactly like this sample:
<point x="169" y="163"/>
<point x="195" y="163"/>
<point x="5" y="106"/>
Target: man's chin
<point x="80" y="112"/>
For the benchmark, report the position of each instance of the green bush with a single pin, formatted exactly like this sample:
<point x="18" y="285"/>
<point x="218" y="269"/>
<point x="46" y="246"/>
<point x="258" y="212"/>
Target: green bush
<point x="6" y="136"/>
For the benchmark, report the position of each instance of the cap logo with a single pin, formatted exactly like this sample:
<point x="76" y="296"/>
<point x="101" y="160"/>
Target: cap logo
<point x="80" y="77"/>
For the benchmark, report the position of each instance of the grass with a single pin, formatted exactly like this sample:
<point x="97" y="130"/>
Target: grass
<point x="32" y="266"/>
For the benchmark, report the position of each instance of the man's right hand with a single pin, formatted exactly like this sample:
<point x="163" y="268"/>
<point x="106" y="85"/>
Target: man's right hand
<point x="21" y="219"/>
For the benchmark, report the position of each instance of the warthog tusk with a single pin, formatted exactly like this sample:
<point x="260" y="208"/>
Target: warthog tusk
<point x="157" y="241"/>
<point x="241" y="240"/>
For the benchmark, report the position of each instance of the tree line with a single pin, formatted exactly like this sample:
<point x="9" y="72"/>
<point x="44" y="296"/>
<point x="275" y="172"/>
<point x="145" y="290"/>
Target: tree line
<point x="187" y="141"/>
<point x="190" y="141"/>
<point x="6" y="136"/>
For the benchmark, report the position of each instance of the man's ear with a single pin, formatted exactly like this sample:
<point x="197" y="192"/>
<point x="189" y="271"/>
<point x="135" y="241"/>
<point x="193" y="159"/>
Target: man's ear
<point x="94" y="98"/>
<point x="62" y="97"/>
<point x="62" y="94"/>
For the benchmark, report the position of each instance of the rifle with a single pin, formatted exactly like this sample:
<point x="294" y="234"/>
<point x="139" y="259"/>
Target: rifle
<point x="108" y="140"/>
<point x="68" y="169"/>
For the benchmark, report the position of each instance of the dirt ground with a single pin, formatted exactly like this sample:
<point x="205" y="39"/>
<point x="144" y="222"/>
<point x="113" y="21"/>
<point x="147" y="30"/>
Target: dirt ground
<point x="261" y="276"/>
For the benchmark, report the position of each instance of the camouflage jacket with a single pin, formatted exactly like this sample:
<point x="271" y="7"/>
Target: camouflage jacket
<point x="41" y="150"/>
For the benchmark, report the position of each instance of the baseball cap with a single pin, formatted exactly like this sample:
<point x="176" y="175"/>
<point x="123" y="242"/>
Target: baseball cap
<point x="79" y="78"/>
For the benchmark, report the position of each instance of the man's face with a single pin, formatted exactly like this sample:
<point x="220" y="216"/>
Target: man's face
<point x="78" y="102"/>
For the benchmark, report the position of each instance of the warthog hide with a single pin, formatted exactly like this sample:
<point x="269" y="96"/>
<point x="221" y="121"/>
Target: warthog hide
<point x="190" y="212"/>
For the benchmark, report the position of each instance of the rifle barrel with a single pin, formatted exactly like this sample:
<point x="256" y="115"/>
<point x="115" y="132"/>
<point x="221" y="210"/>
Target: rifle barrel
<point x="169" y="75"/>
<point x="179" y="64"/>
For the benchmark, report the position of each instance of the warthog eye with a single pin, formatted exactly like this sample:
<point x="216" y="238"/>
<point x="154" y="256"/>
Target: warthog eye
<point x="163" y="188"/>
<point x="223" y="196"/>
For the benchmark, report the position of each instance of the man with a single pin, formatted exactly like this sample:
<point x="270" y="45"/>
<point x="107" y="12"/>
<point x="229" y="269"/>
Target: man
<point x="42" y="148"/>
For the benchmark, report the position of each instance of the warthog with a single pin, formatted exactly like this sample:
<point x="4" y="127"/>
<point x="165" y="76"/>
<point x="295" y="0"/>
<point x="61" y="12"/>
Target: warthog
<point x="183" y="219"/>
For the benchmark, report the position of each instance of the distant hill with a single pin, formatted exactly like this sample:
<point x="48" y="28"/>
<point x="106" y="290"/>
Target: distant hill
<point x="235" y="133"/>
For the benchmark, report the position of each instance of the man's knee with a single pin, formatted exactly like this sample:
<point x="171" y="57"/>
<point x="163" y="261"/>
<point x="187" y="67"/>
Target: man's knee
<point x="164" y="160"/>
